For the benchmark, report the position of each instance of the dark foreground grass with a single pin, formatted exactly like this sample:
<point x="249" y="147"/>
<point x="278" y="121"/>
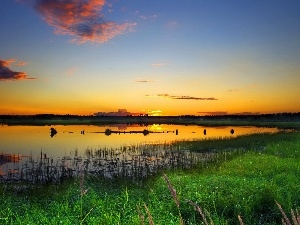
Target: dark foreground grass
<point x="247" y="185"/>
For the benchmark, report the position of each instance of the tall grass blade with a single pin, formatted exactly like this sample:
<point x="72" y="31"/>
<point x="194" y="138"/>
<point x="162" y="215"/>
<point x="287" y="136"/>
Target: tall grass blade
<point x="295" y="217"/>
<point x="172" y="190"/>
<point x="286" y="219"/>
<point x="81" y="222"/>
<point x="141" y="216"/>
<point x="150" y="219"/>
<point x="175" y="197"/>
<point x="198" y="209"/>
<point x="240" y="219"/>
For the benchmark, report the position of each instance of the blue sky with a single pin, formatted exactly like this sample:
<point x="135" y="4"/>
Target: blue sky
<point x="178" y="57"/>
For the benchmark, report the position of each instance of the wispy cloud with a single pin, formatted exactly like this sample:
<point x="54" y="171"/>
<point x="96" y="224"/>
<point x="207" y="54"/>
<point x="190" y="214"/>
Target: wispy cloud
<point x="223" y="113"/>
<point x="214" y="113"/>
<point x="171" y="24"/>
<point x="144" y="80"/>
<point x="8" y="74"/>
<point x="120" y="112"/>
<point x="71" y="71"/>
<point x="81" y="19"/>
<point x="145" y="17"/>
<point x="247" y="113"/>
<point x="182" y="97"/>
<point x="159" y="64"/>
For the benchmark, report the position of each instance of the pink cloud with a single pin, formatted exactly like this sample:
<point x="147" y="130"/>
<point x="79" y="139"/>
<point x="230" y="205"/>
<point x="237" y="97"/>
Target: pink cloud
<point x="22" y="64"/>
<point x="70" y="72"/>
<point x="158" y="64"/>
<point x="7" y="74"/>
<point x="172" y="24"/>
<point x="81" y="19"/>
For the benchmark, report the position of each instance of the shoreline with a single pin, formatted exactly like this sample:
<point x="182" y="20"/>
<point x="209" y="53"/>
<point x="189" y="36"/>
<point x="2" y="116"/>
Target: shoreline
<point x="283" y="120"/>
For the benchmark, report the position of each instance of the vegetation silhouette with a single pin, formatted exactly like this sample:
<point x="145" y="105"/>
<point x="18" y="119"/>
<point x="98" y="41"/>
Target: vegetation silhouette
<point x="53" y="132"/>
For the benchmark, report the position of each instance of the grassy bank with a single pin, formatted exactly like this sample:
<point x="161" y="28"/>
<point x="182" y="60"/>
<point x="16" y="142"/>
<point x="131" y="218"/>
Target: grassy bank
<point x="247" y="184"/>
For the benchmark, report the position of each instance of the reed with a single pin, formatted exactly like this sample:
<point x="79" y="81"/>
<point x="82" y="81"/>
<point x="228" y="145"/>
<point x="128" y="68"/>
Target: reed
<point x="175" y="197"/>
<point x="285" y="220"/>
<point x="136" y="163"/>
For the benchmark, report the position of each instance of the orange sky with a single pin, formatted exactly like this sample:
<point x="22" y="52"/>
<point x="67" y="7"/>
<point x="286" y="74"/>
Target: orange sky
<point x="195" y="57"/>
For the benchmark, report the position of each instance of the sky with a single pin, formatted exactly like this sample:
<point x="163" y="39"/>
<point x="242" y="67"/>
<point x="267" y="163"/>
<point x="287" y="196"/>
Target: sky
<point x="158" y="57"/>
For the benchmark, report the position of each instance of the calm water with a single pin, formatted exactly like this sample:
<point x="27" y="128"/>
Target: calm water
<point x="26" y="140"/>
<point x="28" y="150"/>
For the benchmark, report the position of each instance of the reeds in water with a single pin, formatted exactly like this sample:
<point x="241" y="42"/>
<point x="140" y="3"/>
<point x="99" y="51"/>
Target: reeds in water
<point x="136" y="162"/>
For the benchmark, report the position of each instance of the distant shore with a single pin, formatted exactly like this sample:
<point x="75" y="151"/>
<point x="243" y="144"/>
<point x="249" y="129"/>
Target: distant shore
<point x="281" y="120"/>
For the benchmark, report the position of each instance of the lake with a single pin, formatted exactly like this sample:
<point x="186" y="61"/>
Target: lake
<point x="75" y="145"/>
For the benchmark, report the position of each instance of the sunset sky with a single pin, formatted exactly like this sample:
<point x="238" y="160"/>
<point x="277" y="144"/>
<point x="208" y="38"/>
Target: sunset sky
<point x="171" y="57"/>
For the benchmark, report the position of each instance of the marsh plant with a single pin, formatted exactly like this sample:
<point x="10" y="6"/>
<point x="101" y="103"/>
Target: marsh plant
<point x="136" y="162"/>
<point x="83" y="192"/>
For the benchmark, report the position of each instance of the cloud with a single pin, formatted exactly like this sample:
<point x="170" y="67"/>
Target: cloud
<point x="223" y="113"/>
<point x="182" y="97"/>
<point x="120" y="112"/>
<point x="215" y="113"/>
<point x="145" y="17"/>
<point x="7" y="74"/>
<point x="158" y="64"/>
<point x="71" y="71"/>
<point x="22" y="63"/>
<point x="81" y="19"/>
<point x="171" y="24"/>
<point x="144" y="80"/>
<point x="247" y="113"/>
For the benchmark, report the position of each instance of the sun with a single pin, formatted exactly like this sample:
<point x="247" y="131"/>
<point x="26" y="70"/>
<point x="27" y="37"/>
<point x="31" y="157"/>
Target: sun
<point x="154" y="112"/>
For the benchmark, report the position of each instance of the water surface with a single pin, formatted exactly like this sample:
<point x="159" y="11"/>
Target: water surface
<point x="33" y="154"/>
<point x="31" y="140"/>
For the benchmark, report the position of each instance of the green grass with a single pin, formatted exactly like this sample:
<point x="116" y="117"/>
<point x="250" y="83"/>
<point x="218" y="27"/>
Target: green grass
<point x="247" y="184"/>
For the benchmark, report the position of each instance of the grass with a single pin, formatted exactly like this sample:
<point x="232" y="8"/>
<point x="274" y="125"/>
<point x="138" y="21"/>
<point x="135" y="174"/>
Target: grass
<point x="244" y="188"/>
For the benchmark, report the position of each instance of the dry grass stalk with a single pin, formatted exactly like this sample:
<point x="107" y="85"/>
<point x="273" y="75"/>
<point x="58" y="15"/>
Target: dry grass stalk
<point x="150" y="219"/>
<point x="295" y="217"/>
<point x="240" y="219"/>
<point x="82" y="193"/>
<point x="285" y="219"/>
<point x="82" y="190"/>
<point x="198" y="209"/>
<point x="175" y="197"/>
<point x="208" y="215"/>
<point x="172" y="190"/>
<point x="141" y="216"/>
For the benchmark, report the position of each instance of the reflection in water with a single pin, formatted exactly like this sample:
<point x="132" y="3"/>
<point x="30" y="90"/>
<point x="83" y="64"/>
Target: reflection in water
<point x="112" y="153"/>
<point x="8" y="158"/>
<point x="52" y="132"/>
<point x="132" y="162"/>
<point x="25" y="140"/>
